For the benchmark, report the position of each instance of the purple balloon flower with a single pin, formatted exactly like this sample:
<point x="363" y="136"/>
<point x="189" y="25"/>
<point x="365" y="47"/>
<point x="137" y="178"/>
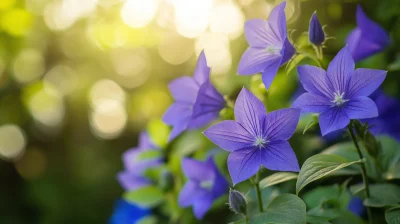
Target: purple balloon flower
<point x="256" y="138"/>
<point x="132" y="177"/>
<point x="269" y="46"/>
<point x="340" y="93"/>
<point x="197" y="101"/>
<point x="316" y="34"/>
<point x="368" y="38"/>
<point x="205" y="184"/>
<point x="388" y="121"/>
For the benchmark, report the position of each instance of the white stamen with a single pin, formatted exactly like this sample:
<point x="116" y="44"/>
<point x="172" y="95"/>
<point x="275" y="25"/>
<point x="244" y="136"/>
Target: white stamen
<point x="207" y="184"/>
<point x="260" y="142"/>
<point x="338" y="100"/>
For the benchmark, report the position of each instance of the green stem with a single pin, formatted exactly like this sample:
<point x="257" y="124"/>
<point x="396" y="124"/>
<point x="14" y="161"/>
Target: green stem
<point x="246" y="219"/>
<point x="258" y="192"/>
<point x="363" y="169"/>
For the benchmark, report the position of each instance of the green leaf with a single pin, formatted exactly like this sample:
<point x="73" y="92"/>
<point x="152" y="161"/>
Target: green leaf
<point x="277" y="178"/>
<point x="381" y="195"/>
<point x="148" y="196"/>
<point x="148" y="155"/>
<point x="319" y="166"/>
<point x="312" y="219"/>
<point x="267" y="194"/>
<point x="286" y="208"/>
<point x="158" y="132"/>
<point x="310" y="124"/>
<point x="327" y="195"/>
<point x="392" y="215"/>
<point x="147" y="220"/>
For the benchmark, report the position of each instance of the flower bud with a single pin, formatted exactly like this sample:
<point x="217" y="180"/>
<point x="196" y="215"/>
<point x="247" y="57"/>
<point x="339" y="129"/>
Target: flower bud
<point x="316" y="34"/>
<point x="371" y="144"/>
<point x="237" y="202"/>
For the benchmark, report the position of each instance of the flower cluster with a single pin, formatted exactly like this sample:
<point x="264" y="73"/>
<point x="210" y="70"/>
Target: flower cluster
<point x="341" y="96"/>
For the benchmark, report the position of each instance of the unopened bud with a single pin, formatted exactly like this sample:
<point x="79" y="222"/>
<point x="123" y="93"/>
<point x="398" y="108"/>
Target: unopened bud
<point x="237" y="202"/>
<point x="371" y="144"/>
<point x="316" y="34"/>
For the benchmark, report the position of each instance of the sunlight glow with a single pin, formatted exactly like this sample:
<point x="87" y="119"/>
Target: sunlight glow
<point x="138" y="13"/>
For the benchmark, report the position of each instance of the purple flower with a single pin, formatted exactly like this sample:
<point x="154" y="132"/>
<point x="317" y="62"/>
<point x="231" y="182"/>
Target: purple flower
<point x="205" y="184"/>
<point x="368" y="38"/>
<point x="340" y="94"/>
<point x="256" y="138"/>
<point x="356" y="206"/>
<point x="388" y="121"/>
<point x="316" y="34"/>
<point x="132" y="177"/>
<point x="197" y="101"/>
<point x="127" y="213"/>
<point x="269" y="46"/>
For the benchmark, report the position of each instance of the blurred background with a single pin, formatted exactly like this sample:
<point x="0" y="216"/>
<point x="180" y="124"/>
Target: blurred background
<point x="79" y="79"/>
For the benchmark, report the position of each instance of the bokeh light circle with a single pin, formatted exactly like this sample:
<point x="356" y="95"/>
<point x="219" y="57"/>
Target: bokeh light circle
<point x="12" y="141"/>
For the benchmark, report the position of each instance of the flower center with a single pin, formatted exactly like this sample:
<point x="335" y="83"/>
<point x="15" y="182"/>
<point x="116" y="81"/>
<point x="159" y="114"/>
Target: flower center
<point x="338" y="100"/>
<point x="207" y="184"/>
<point x="260" y="142"/>
<point x="273" y="50"/>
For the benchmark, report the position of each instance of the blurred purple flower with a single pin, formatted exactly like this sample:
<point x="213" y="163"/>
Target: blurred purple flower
<point x="197" y="101"/>
<point x="316" y="34"/>
<point x="340" y="94"/>
<point x="356" y="206"/>
<point x="127" y="213"/>
<point x="256" y="138"/>
<point x="388" y="121"/>
<point x="269" y="46"/>
<point x="205" y="184"/>
<point x="368" y="38"/>
<point x="132" y="177"/>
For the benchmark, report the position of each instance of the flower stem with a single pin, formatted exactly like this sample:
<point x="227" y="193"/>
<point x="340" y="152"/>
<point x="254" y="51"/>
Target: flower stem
<point x="258" y="192"/>
<point x="363" y="169"/>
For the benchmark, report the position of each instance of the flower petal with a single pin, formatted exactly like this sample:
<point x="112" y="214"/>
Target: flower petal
<point x="202" y="71"/>
<point x="145" y="141"/>
<point x="361" y="47"/>
<point x="287" y="51"/>
<point x="244" y="163"/>
<point x="315" y="80"/>
<point x="208" y="104"/>
<point x="364" y="82"/>
<point x="229" y="136"/>
<point x="250" y="112"/>
<point x="278" y="155"/>
<point x="184" y="89"/>
<point x="178" y="129"/>
<point x="360" y="108"/>
<point x="270" y="71"/>
<point x="200" y="207"/>
<point x="277" y="21"/>
<point x="197" y="170"/>
<point x="281" y="124"/>
<point x="255" y="60"/>
<point x="190" y="192"/>
<point x="259" y="34"/>
<point x="333" y="119"/>
<point x="340" y="69"/>
<point x="374" y="32"/>
<point x="177" y="112"/>
<point x="129" y="181"/>
<point x="309" y="102"/>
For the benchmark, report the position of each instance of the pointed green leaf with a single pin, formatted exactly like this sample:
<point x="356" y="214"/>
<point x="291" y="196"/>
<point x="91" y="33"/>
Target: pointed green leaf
<point x="159" y="132"/>
<point x="277" y="178"/>
<point x="148" y="196"/>
<point x="392" y="215"/>
<point x="319" y="166"/>
<point x="286" y="208"/>
<point x="381" y="195"/>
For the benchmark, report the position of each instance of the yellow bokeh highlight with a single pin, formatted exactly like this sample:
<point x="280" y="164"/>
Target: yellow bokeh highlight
<point x="16" y="22"/>
<point x="6" y="4"/>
